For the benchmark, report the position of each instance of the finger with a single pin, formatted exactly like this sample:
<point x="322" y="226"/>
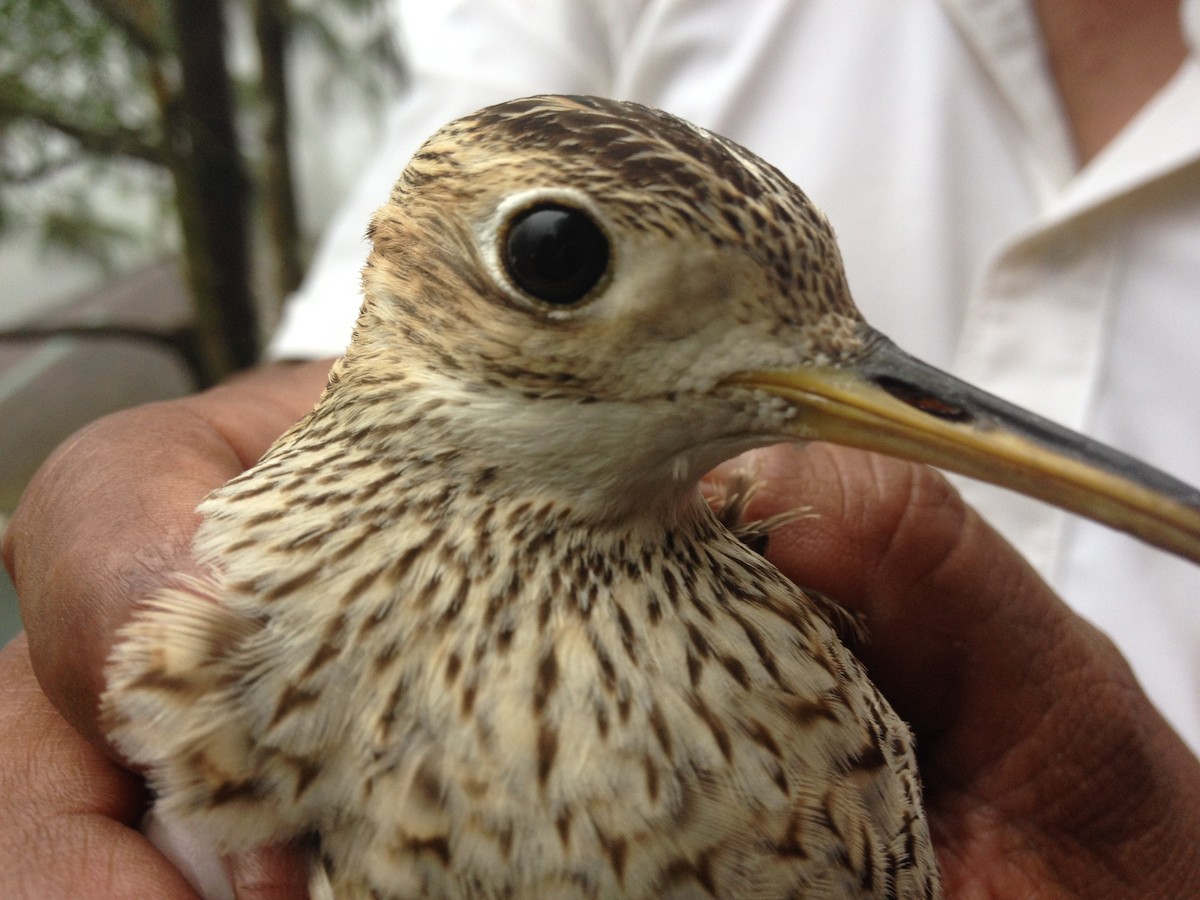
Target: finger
<point x="269" y="873"/>
<point x="108" y="519"/>
<point x="67" y="809"/>
<point x="884" y="537"/>
<point x="1027" y="718"/>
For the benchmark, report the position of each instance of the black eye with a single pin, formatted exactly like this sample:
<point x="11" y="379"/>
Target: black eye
<point x="555" y="253"/>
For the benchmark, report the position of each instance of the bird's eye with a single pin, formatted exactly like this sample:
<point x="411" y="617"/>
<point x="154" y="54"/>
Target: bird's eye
<point x="554" y="253"/>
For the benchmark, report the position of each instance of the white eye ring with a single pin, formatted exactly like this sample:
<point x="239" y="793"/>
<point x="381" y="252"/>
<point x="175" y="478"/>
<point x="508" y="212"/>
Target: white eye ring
<point x="493" y="233"/>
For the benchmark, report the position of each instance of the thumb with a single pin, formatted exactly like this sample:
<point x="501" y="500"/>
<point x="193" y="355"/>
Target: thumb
<point x="1021" y="708"/>
<point x="278" y="872"/>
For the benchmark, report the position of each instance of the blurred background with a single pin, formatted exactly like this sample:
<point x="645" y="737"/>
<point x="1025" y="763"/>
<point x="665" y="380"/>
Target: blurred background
<point x="165" y="166"/>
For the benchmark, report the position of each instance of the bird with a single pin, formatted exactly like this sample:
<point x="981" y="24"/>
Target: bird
<point x="469" y="629"/>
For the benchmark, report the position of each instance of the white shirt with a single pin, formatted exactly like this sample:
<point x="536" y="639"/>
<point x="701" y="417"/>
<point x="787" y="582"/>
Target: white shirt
<point x="931" y="134"/>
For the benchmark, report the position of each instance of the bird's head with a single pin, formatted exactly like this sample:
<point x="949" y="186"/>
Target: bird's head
<point x="615" y="300"/>
<point x="602" y="249"/>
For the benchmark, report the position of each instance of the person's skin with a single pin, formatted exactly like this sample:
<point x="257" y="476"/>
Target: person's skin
<point x="1108" y="58"/>
<point x="70" y="813"/>
<point x="104" y="522"/>
<point x="112" y="512"/>
<point x="1047" y="771"/>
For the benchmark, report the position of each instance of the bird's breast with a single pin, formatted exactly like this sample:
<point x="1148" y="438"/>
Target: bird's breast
<point x="617" y="712"/>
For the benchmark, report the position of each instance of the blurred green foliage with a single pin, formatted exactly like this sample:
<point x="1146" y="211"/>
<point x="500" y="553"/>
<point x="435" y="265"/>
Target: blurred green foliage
<point x="117" y="132"/>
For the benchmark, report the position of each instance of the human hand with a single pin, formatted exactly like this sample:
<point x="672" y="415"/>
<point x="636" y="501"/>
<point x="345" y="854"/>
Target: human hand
<point x="109" y="520"/>
<point x="69" y="812"/>
<point x="1047" y="771"/>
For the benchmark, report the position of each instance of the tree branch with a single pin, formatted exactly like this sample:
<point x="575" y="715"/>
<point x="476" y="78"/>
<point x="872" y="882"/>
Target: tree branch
<point x="139" y="22"/>
<point x="42" y="169"/>
<point x="118" y="140"/>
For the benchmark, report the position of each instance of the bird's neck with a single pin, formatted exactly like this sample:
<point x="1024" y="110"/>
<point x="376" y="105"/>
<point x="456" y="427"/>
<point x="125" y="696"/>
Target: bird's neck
<point x="609" y="461"/>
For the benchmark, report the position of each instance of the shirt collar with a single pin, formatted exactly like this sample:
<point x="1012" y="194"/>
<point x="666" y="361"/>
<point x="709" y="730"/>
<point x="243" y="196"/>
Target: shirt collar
<point x="1189" y="12"/>
<point x="1005" y="39"/>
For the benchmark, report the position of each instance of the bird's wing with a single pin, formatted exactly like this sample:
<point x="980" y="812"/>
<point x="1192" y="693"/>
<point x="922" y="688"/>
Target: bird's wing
<point x="171" y="707"/>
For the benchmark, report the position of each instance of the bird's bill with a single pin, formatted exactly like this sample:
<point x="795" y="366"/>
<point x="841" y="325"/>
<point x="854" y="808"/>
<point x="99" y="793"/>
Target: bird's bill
<point x="892" y="403"/>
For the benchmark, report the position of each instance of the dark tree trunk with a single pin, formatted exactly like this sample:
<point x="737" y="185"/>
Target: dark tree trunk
<point x="278" y="194"/>
<point x="211" y="189"/>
